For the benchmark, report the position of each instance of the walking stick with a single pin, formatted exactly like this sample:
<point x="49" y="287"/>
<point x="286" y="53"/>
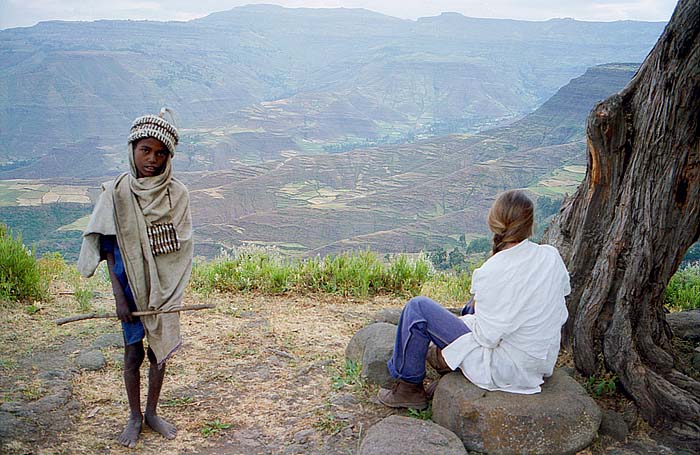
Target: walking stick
<point x="82" y="317"/>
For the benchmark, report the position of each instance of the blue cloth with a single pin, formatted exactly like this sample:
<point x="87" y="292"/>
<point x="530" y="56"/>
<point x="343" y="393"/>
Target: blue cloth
<point x="133" y="331"/>
<point x="422" y="321"/>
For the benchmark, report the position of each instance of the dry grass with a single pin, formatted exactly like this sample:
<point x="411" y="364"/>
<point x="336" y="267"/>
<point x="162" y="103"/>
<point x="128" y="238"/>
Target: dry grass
<point x="255" y="365"/>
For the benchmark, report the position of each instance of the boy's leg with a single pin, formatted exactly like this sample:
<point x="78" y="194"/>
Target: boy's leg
<point x="133" y="358"/>
<point x="155" y="383"/>
<point x="421" y="322"/>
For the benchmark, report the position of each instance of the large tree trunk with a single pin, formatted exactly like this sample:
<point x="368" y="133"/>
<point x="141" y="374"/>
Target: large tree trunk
<point x="623" y="234"/>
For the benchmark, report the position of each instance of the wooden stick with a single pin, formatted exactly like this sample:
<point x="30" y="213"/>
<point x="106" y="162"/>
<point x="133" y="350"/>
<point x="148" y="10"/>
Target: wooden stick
<point x="82" y="317"/>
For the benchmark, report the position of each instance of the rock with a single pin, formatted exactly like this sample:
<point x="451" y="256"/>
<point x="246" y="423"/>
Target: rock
<point x="372" y="346"/>
<point x="613" y="425"/>
<point x="397" y="435"/>
<point x="646" y="447"/>
<point x="392" y="315"/>
<point x="685" y="324"/>
<point x="344" y="400"/>
<point x="91" y="360"/>
<point x="302" y="437"/>
<point x="562" y="419"/>
<point x="109" y="340"/>
<point x="356" y="346"/>
<point x="695" y="361"/>
<point x="389" y="315"/>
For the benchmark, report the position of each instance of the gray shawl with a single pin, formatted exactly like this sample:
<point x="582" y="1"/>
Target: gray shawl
<point x="125" y="208"/>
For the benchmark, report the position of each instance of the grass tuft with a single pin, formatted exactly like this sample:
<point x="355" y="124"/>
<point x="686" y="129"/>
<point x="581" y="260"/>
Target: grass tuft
<point x="20" y="277"/>
<point x="683" y="290"/>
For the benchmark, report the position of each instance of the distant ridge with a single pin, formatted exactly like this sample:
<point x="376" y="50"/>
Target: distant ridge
<point x="402" y="198"/>
<point x="261" y="82"/>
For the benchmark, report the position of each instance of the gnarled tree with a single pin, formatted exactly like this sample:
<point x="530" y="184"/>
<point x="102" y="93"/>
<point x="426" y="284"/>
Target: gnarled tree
<point x="624" y="232"/>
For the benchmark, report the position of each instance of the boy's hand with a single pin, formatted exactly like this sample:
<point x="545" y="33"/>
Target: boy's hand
<point x="123" y="311"/>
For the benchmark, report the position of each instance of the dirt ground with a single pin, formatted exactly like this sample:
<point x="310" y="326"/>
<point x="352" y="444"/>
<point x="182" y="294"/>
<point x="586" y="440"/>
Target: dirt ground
<point x="256" y="375"/>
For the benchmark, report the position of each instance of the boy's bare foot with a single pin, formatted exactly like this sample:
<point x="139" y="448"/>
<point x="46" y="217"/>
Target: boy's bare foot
<point x="161" y="426"/>
<point x="131" y="432"/>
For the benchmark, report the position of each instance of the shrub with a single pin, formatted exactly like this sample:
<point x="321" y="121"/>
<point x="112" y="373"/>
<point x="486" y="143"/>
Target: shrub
<point x="683" y="290"/>
<point x="20" y="277"/>
<point x="357" y="274"/>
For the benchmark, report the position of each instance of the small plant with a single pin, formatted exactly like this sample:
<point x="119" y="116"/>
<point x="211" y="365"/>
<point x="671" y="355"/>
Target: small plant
<point x="425" y="414"/>
<point x="602" y="386"/>
<point x="329" y="424"/>
<point x="349" y="375"/>
<point x="20" y="278"/>
<point x="82" y="296"/>
<point x="214" y="427"/>
<point x="683" y="290"/>
<point x="32" y="309"/>
<point x="175" y="402"/>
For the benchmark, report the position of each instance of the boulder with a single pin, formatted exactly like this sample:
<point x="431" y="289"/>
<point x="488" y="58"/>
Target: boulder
<point x="562" y="419"/>
<point x="685" y="324"/>
<point x="397" y="435"/>
<point x="372" y="346"/>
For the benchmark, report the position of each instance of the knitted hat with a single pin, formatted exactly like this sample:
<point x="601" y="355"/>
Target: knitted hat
<point x="157" y="127"/>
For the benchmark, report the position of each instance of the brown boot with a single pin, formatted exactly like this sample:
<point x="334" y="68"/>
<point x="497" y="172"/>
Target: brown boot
<point x="437" y="361"/>
<point x="404" y="395"/>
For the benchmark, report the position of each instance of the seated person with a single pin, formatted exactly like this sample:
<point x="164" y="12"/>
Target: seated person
<point x="511" y="339"/>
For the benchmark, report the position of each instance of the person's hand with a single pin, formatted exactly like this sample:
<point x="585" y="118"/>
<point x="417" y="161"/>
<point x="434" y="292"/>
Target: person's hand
<point x="123" y="311"/>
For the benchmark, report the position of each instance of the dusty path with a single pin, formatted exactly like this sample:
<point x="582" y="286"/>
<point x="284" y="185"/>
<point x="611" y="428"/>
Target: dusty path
<point x="257" y="375"/>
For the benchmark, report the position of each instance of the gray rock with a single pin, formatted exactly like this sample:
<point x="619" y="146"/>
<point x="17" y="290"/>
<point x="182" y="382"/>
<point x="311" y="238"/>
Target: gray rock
<point x="613" y="425"/>
<point x="646" y="447"/>
<point x="302" y="437"/>
<point x="397" y="435"/>
<point x="695" y="361"/>
<point x="685" y="324"/>
<point x="372" y="346"/>
<point x="356" y="347"/>
<point x="344" y="400"/>
<point x="389" y="315"/>
<point x="562" y="419"/>
<point x="91" y="360"/>
<point x="109" y="340"/>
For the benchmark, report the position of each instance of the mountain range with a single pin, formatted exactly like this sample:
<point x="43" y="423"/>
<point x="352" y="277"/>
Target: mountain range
<point x="316" y="131"/>
<point x="262" y="82"/>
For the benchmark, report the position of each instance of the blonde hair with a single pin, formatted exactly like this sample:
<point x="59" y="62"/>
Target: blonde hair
<point x="510" y="219"/>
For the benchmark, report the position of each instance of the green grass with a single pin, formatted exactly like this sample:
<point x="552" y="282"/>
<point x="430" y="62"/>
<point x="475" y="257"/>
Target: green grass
<point x="357" y="274"/>
<point x="213" y="427"/>
<point x="683" y="290"/>
<point x="350" y="375"/>
<point x="20" y="277"/>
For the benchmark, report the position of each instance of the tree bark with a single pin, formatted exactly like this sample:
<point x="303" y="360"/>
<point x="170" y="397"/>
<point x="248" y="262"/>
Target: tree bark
<point x="624" y="232"/>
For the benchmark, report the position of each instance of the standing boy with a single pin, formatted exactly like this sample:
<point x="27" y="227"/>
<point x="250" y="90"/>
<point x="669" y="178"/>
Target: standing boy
<point x="142" y="226"/>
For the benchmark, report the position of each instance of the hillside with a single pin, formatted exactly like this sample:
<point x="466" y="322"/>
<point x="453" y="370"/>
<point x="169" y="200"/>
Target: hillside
<point x="264" y="82"/>
<point x="407" y="197"/>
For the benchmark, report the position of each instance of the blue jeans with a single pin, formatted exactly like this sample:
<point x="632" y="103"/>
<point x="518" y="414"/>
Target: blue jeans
<point x="422" y="321"/>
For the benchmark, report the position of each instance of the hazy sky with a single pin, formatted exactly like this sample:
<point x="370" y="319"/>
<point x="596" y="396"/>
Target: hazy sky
<point x="19" y="13"/>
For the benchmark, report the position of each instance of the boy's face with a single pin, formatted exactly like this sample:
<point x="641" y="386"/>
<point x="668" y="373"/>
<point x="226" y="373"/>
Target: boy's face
<point x="150" y="156"/>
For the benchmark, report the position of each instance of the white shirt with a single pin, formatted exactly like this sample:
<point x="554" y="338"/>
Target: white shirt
<point x="516" y="330"/>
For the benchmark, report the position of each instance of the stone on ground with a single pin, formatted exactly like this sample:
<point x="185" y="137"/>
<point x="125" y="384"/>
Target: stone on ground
<point x="685" y="324"/>
<point x="109" y="340"/>
<point x="91" y="360"/>
<point x="613" y="424"/>
<point x="372" y="346"/>
<point x="562" y="419"/>
<point x="397" y="435"/>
